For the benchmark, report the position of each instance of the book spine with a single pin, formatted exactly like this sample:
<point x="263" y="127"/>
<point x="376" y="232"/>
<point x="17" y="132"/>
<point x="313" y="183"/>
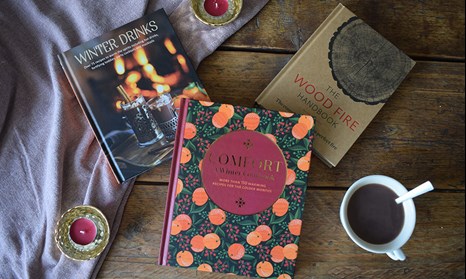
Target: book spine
<point x="171" y="195"/>
<point x="300" y="52"/>
<point x="90" y="118"/>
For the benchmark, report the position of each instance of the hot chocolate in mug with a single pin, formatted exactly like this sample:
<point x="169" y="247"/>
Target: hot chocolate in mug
<point x="379" y="215"/>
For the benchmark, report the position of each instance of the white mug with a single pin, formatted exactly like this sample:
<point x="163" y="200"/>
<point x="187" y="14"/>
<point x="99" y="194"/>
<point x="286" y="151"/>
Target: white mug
<point x="393" y="248"/>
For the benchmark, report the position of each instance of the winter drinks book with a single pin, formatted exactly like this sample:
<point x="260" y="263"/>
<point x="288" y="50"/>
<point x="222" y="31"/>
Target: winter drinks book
<point x="129" y="83"/>
<point x="343" y="75"/>
<point x="237" y="190"/>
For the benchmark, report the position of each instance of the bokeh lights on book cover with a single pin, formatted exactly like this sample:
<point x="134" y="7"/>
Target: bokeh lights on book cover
<point x="130" y="82"/>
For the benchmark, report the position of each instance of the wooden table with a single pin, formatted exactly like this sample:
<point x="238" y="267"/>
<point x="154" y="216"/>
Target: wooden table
<point x="419" y="135"/>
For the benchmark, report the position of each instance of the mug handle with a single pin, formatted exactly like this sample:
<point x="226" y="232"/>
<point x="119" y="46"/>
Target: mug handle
<point x="397" y="255"/>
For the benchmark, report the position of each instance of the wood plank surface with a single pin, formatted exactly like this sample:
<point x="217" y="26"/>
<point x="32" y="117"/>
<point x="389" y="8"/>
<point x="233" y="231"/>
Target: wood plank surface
<point x="420" y="131"/>
<point x="419" y="135"/>
<point x="436" y="249"/>
<point x="428" y="29"/>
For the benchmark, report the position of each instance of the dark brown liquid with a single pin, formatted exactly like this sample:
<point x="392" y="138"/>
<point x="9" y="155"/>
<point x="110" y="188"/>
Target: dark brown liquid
<point x="374" y="215"/>
<point x="163" y="114"/>
<point x="143" y="124"/>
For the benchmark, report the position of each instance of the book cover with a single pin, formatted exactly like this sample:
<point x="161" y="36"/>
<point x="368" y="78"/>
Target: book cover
<point x="237" y="190"/>
<point x="129" y="83"/>
<point x="343" y="75"/>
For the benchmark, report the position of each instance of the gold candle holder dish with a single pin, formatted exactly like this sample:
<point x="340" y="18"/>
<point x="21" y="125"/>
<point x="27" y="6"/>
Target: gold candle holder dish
<point x="234" y="9"/>
<point x="76" y="251"/>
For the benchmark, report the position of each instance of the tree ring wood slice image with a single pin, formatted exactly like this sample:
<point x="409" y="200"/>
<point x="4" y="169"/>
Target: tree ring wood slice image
<point x="366" y="66"/>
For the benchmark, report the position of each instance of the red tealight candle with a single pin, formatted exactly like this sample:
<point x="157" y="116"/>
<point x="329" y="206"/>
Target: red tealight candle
<point x="83" y="231"/>
<point x="216" y="7"/>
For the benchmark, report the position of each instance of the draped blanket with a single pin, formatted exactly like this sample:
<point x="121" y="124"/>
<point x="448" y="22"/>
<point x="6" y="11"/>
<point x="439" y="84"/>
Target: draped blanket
<point x="50" y="160"/>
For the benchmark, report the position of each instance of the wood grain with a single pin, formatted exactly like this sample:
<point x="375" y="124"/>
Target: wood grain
<point x="429" y="29"/>
<point x="381" y="68"/>
<point x="435" y="251"/>
<point x="418" y="135"/>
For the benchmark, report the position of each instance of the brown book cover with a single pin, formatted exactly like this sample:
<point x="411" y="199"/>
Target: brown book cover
<point x="343" y="75"/>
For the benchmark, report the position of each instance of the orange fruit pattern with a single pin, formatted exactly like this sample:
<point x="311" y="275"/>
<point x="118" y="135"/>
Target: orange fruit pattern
<point x="252" y="121"/>
<point x="185" y="258"/>
<point x="280" y="207"/>
<point x="217" y="217"/>
<point x="290" y="176"/>
<point x="277" y="254"/>
<point x="220" y="120"/>
<point x="265" y="232"/>
<point x="184" y="221"/>
<point x="286" y="114"/>
<point x="304" y="163"/>
<point x="254" y="238"/>
<point x="295" y="227"/>
<point x="300" y="131"/>
<point x="229" y="110"/>
<point x="236" y="251"/>
<point x="271" y="137"/>
<point x="212" y="241"/>
<point x="179" y="187"/>
<point x="264" y="269"/>
<point x="290" y="251"/>
<point x="206" y="103"/>
<point x="176" y="228"/>
<point x="190" y="131"/>
<point x="197" y="244"/>
<point x="200" y="197"/>
<point x="307" y="120"/>
<point x="185" y="155"/>
<point x="207" y="238"/>
<point x="205" y="268"/>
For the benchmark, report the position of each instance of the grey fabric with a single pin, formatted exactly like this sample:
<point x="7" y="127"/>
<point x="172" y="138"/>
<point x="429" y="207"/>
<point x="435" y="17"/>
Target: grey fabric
<point x="49" y="158"/>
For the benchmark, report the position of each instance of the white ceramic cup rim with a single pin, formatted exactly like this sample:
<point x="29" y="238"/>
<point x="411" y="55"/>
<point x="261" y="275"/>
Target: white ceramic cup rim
<point x="409" y="210"/>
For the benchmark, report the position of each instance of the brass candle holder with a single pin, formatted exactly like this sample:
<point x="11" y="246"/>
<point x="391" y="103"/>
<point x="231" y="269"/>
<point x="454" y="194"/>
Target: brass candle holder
<point x="77" y="251"/>
<point x="234" y="9"/>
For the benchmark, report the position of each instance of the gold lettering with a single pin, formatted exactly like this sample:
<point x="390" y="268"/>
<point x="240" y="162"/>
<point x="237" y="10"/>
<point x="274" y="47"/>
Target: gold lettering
<point x="225" y="159"/>
<point x="268" y="165"/>
<point x="278" y="166"/>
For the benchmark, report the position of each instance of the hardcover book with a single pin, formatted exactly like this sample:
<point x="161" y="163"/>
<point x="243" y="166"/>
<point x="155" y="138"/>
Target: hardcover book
<point x="343" y="75"/>
<point x="237" y="190"/>
<point x="129" y="83"/>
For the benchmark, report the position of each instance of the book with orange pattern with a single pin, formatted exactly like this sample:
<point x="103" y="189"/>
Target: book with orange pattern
<point x="237" y="190"/>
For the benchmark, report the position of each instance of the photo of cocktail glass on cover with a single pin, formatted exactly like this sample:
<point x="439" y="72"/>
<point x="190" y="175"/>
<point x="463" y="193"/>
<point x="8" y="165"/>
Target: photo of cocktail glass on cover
<point x="141" y="120"/>
<point x="130" y="83"/>
<point x="163" y="110"/>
